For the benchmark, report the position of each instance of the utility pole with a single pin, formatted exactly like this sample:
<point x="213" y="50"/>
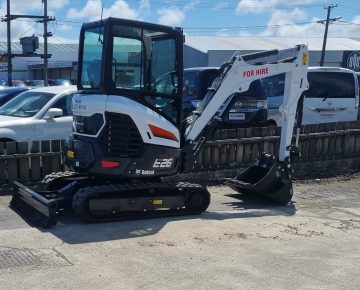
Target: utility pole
<point x="8" y="20"/>
<point x="327" y="21"/>
<point x="45" y="44"/>
<point x="45" y="20"/>
<point x="42" y="19"/>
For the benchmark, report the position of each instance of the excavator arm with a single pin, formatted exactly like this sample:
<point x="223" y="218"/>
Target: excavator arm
<point x="270" y="175"/>
<point x="235" y="77"/>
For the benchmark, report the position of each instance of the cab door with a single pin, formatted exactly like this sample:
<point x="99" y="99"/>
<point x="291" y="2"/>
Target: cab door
<point x="331" y="97"/>
<point x="59" y="127"/>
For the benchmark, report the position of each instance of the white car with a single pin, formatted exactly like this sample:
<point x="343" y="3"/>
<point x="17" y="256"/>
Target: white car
<point x="39" y="114"/>
<point x="333" y="96"/>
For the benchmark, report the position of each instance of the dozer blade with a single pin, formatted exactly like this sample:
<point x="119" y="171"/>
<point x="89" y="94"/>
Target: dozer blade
<point x="266" y="177"/>
<point x="38" y="208"/>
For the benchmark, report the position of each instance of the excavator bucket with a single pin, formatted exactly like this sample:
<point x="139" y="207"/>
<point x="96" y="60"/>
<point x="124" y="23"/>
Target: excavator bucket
<point x="266" y="177"/>
<point x="39" y="208"/>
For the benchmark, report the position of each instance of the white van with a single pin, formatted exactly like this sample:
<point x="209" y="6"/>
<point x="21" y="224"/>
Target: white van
<point x="333" y="96"/>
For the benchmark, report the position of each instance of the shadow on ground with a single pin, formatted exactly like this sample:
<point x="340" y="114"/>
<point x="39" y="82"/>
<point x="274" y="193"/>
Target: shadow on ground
<point x="225" y="205"/>
<point x="259" y="206"/>
<point x="72" y="231"/>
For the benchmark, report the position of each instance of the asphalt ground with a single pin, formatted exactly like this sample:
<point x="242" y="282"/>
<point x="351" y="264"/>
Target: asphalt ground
<point x="242" y="242"/>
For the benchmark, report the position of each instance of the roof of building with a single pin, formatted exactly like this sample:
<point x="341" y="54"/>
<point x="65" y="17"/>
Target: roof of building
<point x="52" y="47"/>
<point x="209" y="43"/>
<point x="255" y="43"/>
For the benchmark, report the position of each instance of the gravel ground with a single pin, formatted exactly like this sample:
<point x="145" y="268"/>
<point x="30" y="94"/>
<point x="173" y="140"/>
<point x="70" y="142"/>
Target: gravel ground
<point x="240" y="243"/>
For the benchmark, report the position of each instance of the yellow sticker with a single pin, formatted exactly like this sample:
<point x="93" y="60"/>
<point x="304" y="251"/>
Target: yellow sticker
<point x="157" y="202"/>
<point x="70" y="154"/>
<point x="304" y="59"/>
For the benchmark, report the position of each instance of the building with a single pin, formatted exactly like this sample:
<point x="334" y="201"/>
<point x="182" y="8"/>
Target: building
<point x="61" y="65"/>
<point x="215" y="50"/>
<point x="198" y="51"/>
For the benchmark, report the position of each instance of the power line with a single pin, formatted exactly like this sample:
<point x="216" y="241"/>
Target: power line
<point x="202" y="4"/>
<point x="255" y="27"/>
<point x="350" y="8"/>
<point x="252" y="27"/>
<point x="232" y="5"/>
<point x="343" y="22"/>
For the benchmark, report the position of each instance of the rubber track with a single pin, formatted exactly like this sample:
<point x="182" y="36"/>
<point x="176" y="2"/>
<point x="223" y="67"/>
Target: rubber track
<point x="128" y="190"/>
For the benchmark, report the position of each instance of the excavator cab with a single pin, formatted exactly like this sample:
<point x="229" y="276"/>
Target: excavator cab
<point x="138" y="60"/>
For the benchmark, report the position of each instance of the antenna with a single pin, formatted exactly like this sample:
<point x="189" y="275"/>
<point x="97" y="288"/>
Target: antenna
<point x="102" y="10"/>
<point x="100" y="42"/>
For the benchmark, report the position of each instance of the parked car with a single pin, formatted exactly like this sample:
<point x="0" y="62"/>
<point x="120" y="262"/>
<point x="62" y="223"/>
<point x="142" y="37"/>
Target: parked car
<point x="9" y="93"/>
<point x="333" y="96"/>
<point x="34" y="83"/>
<point x="15" y="83"/>
<point x="38" y="114"/>
<point x="196" y="82"/>
<point x="59" y="82"/>
<point x="246" y="109"/>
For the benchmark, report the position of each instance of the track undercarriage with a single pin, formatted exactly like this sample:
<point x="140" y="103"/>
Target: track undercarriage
<point x="95" y="200"/>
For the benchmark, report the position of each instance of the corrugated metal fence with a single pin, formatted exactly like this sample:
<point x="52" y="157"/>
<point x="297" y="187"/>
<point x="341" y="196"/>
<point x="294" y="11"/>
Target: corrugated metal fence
<point x="232" y="148"/>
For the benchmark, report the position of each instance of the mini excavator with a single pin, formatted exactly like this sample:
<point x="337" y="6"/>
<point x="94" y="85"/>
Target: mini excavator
<point x="128" y="131"/>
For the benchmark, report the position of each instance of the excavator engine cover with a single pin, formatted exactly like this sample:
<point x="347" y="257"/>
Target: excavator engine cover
<point x="266" y="177"/>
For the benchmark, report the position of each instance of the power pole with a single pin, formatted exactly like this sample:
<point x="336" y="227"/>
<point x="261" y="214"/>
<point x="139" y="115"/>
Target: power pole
<point x="327" y="21"/>
<point x="8" y="20"/>
<point x="46" y="34"/>
<point x="43" y="19"/>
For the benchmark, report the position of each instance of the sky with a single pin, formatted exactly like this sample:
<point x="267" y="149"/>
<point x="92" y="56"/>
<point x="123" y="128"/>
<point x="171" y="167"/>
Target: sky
<point x="286" y="18"/>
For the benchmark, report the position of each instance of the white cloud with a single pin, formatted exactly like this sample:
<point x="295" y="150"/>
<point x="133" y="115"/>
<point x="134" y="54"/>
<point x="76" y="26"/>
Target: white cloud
<point x="191" y="5"/>
<point x="220" y="6"/>
<point x="92" y="11"/>
<point x="34" y="7"/>
<point x="25" y="27"/>
<point x="24" y="7"/>
<point x="144" y="9"/>
<point x="260" y="6"/>
<point x="284" y="17"/>
<point x="57" y="4"/>
<point x="285" y="23"/>
<point x="64" y="27"/>
<point x="171" y="16"/>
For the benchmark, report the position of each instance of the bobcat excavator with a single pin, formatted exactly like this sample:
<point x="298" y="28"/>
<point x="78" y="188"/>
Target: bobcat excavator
<point x="128" y="131"/>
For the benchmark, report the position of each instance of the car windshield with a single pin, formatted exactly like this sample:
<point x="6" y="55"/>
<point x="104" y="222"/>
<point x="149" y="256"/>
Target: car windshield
<point x="26" y="104"/>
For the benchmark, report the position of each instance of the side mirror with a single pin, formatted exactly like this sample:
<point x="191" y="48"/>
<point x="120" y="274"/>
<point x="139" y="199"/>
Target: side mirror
<point x="53" y="113"/>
